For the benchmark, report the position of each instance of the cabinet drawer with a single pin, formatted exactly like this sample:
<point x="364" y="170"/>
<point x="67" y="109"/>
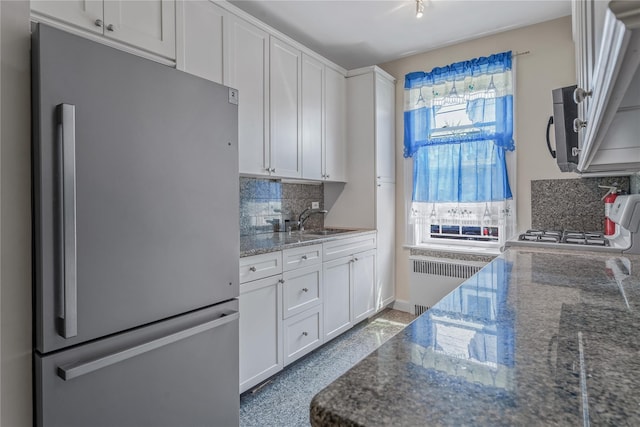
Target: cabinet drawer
<point x="345" y="247"/>
<point x="301" y="257"/>
<point x="260" y="266"/>
<point x="302" y="289"/>
<point x="302" y="333"/>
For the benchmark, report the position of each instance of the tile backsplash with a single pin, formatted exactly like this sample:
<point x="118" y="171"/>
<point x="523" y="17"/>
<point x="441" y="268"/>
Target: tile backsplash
<point x="571" y="204"/>
<point x="266" y="203"/>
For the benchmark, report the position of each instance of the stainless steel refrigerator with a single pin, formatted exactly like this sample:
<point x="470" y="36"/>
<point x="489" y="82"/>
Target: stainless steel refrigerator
<point x="136" y="241"/>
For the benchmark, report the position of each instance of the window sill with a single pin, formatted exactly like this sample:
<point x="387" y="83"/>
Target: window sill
<point x="466" y="248"/>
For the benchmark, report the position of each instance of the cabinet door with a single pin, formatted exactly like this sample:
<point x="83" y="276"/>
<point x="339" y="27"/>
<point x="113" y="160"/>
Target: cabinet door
<point x="146" y="24"/>
<point x="363" y="285"/>
<point x="260" y="325"/>
<point x="385" y="130"/>
<point x="285" y="88"/>
<point x="203" y="37"/>
<point x="385" y="262"/>
<point x="312" y="118"/>
<point x="337" y="297"/>
<point x="583" y="37"/>
<point x="335" y="148"/>
<point x="85" y="14"/>
<point x="246" y="60"/>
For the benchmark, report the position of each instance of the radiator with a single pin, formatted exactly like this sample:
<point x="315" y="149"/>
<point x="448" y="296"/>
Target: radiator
<point x="431" y="279"/>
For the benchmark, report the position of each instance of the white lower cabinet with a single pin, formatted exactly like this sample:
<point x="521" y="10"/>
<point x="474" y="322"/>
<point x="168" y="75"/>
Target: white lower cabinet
<point x="260" y="330"/>
<point x="349" y="283"/>
<point x="302" y="333"/>
<point x="291" y="302"/>
<point x="363" y="285"/>
<point x="337" y="297"/>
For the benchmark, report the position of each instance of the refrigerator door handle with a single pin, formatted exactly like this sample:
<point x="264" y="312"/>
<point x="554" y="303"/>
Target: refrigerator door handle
<point x="67" y="137"/>
<point x="74" y="370"/>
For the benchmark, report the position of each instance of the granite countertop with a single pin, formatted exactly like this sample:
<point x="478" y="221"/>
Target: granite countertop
<point x="537" y="337"/>
<point x="255" y="244"/>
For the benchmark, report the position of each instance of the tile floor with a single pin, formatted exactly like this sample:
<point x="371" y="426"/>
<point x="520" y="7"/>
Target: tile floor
<point x="284" y="400"/>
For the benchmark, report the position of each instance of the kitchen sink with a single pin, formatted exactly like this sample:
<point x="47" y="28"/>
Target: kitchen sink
<point x="326" y="232"/>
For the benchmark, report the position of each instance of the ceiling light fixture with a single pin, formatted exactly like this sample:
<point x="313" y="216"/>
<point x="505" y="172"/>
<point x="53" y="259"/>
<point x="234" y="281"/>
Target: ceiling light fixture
<point x="419" y="8"/>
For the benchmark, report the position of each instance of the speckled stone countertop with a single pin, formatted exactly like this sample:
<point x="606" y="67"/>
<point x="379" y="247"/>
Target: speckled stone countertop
<point x="537" y="337"/>
<point x="256" y="244"/>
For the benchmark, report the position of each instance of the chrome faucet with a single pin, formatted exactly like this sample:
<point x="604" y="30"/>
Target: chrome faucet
<point x="302" y="218"/>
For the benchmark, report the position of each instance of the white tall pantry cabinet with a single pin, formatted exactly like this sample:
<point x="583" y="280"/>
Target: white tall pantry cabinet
<point x="368" y="198"/>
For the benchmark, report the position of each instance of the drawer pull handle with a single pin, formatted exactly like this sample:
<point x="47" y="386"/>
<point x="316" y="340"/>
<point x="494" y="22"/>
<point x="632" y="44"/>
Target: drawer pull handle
<point x="304" y="257"/>
<point x="304" y="334"/>
<point x="305" y="289"/>
<point x="252" y="269"/>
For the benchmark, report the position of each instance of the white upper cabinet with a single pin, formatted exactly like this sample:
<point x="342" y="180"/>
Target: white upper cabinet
<point x="607" y="41"/>
<point x="246" y="68"/>
<point x="335" y="148"/>
<point x="85" y="14"/>
<point x="201" y="52"/>
<point x="385" y="129"/>
<point x="323" y="122"/>
<point x="312" y="118"/>
<point x="145" y="24"/>
<point x="285" y="100"/>
<point x="148" y="24"/>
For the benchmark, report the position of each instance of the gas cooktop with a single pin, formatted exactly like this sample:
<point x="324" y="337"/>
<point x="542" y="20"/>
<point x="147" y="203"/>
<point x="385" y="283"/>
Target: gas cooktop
<point x="590" y="238"/>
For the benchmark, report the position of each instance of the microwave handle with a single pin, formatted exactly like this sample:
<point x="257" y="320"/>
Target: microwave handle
<point x="552" y="152"/>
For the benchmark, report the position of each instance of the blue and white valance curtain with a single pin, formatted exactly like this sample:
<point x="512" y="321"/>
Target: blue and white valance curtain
<point x="458" y="124"/>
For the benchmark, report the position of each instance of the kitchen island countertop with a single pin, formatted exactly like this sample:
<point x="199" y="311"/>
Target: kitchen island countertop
<point x="537" y="337"/>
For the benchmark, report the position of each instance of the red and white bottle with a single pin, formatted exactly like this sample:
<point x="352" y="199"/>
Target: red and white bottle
<point x="609" y="198"/>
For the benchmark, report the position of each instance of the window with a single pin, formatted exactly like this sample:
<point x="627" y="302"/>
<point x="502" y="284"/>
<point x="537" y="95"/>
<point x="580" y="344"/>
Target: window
<point x="458" y="128"/>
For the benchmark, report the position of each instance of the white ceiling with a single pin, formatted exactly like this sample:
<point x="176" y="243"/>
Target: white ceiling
<point x="358" y="33"/>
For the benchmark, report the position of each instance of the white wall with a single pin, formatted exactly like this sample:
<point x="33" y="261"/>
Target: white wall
<point x="549" y="65"/>
<point x="15" y="216"/>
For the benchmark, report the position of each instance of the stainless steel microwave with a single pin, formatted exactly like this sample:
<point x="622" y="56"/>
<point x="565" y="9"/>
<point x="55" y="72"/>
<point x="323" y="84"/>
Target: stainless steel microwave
<point x="565" y="111"/>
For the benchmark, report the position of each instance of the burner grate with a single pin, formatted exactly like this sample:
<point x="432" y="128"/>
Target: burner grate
<point x="569" y="237"/>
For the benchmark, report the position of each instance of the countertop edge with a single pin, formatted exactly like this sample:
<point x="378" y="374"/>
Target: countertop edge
<point x="312" y="241"/>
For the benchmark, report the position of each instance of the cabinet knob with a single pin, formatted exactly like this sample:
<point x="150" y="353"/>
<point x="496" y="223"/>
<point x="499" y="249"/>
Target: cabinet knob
<point x="304" y="334"/>
<point x="304" y="257"/>
<point x="110" y="27"/>
<point x="355" y="259"/>
<point x="252" y="269"/>
<point x="580" y="95"/>
<point x="305" y="289"/>
<point x="578" y="124"/>
<point x="328" y="176"/>
<point x="98" y="22"/>
<point x="280" y="280"/>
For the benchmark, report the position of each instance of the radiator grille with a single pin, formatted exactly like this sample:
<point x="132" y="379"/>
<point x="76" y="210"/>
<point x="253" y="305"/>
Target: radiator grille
<point x="419" y="309"/>
<point x="431" y="280"/>
<point x="445" y="269"/>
